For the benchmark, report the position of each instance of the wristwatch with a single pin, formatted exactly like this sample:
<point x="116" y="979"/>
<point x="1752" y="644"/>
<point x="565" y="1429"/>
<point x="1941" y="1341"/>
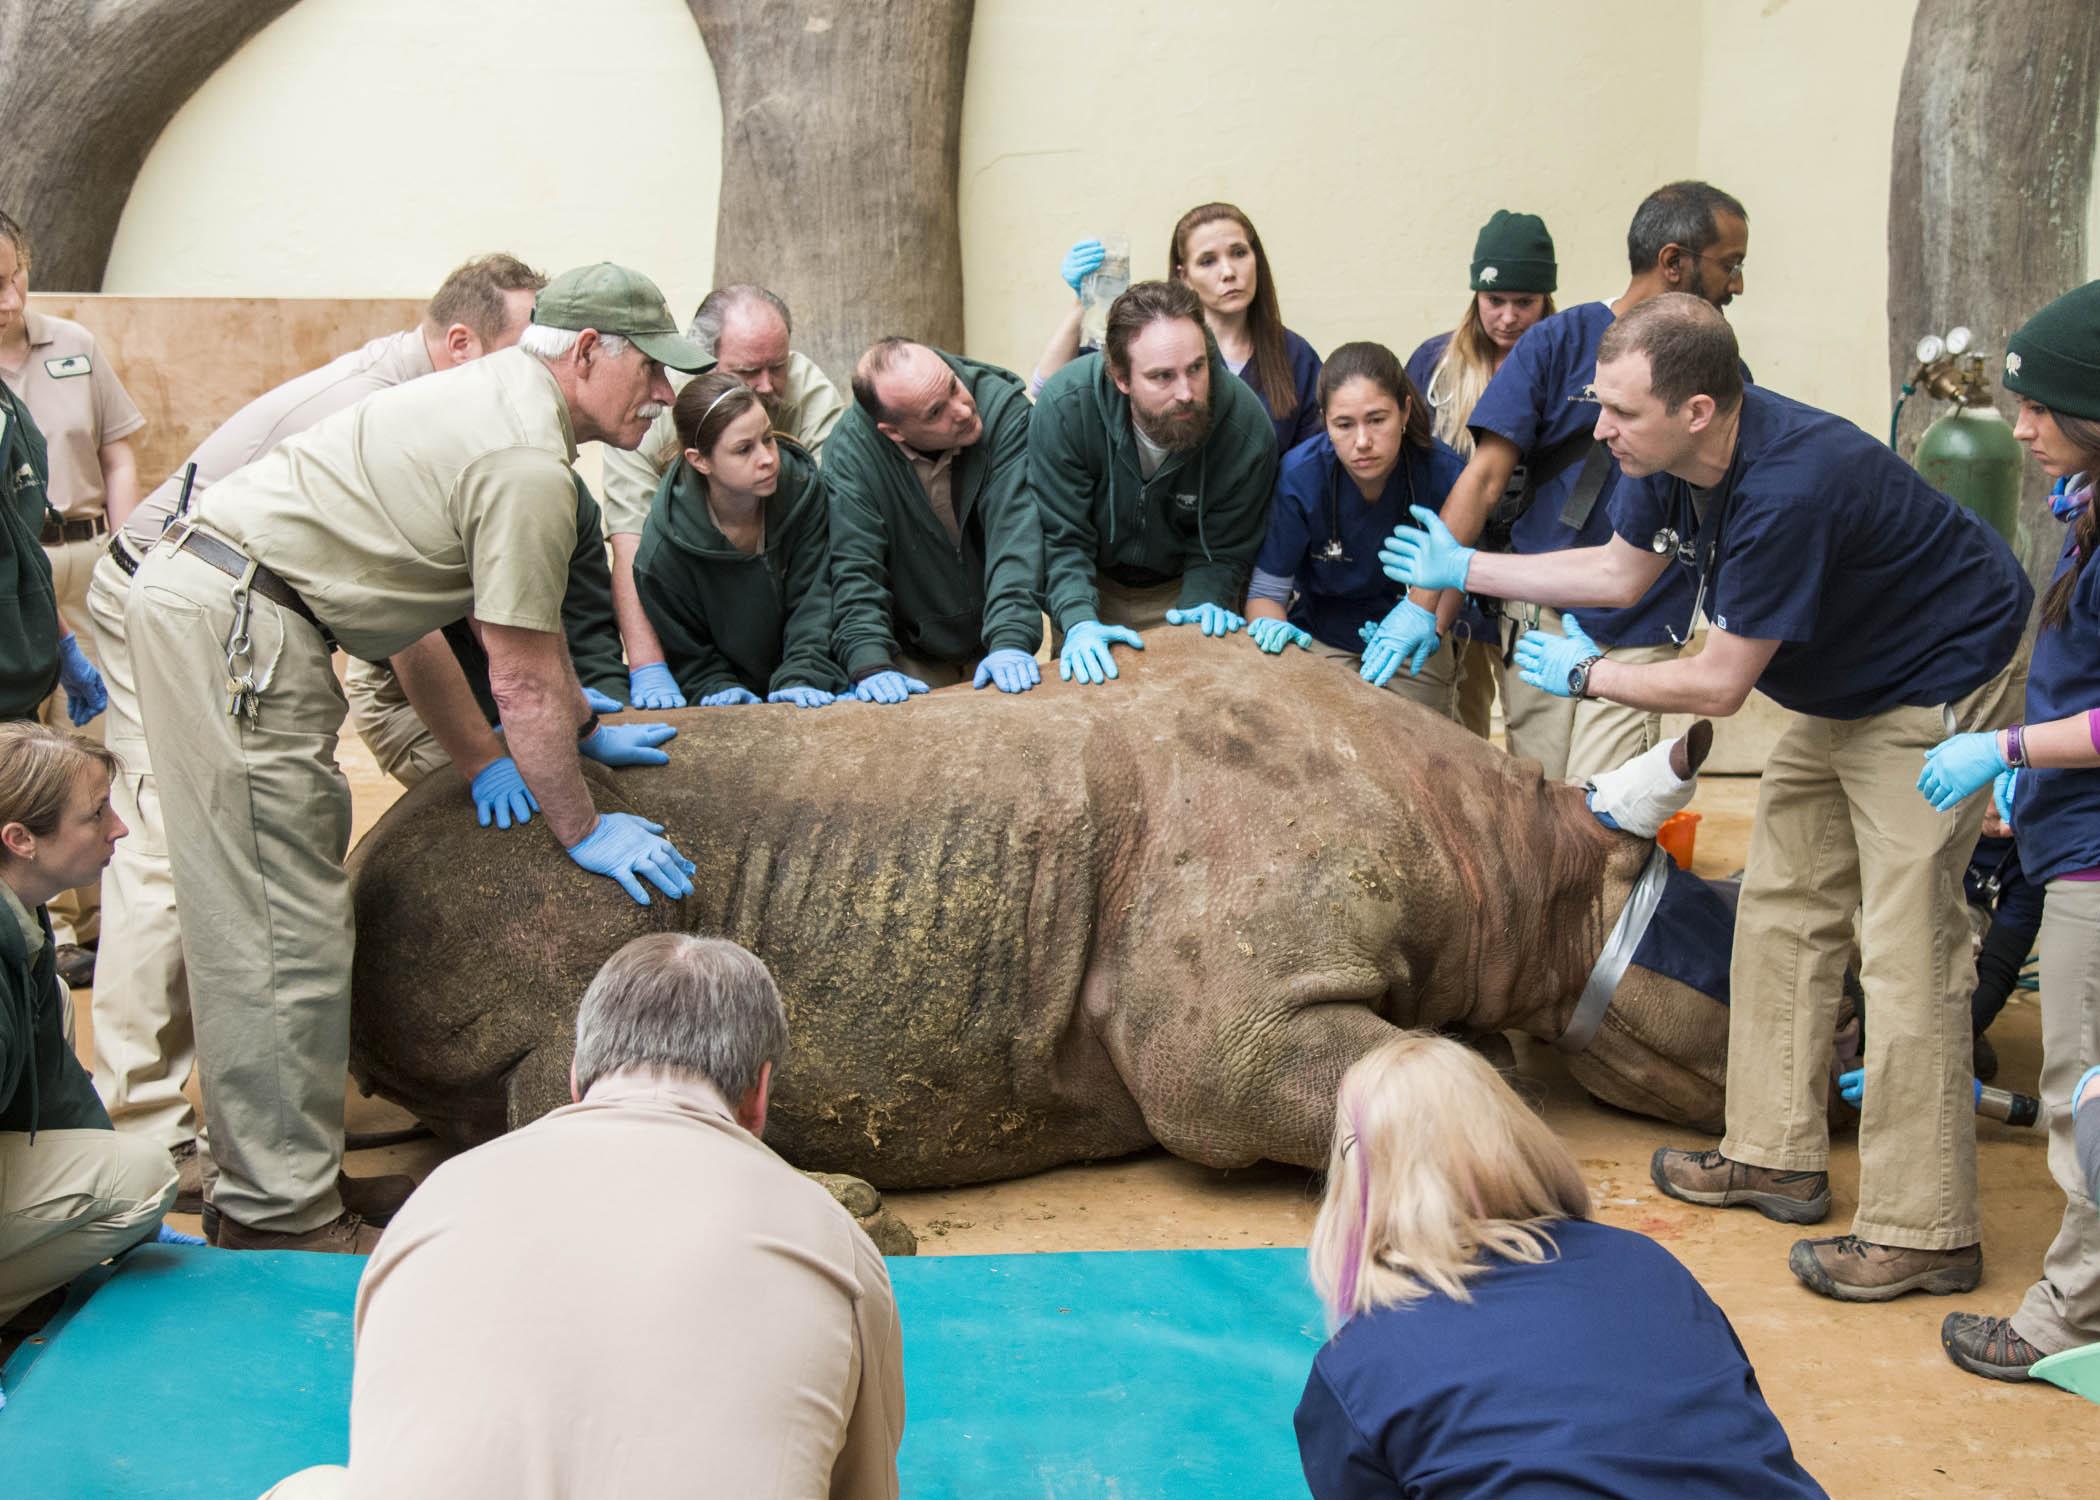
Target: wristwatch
<point x="1579" y="676"/>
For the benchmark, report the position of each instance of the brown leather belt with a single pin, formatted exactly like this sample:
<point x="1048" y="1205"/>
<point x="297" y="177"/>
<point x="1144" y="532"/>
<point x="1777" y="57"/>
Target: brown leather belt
<point x="58" y="530"/>
<point x="121" y="555"/>
<point x="233" y="562"/>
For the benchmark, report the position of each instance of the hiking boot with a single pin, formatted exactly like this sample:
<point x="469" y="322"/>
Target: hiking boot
<point x="193" y="1175"/>
<point x="76" y="966"/>
<point x="374" y="1199"/>
<point x="1711" y="1179"/>
<point x="346" y="1234"/>
<point x="1987" y="1346"/>
<point x="1855" y="1270"/>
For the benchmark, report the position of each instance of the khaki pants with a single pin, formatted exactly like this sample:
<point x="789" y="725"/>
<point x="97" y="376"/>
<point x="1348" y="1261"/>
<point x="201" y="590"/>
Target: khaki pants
<point x="76" y="915"/>
<point x="936" y="674"/>
<point x="145" y="1046"/>
<point x="1479" y="665"/>
<point x="2062" y="1310"/>
<point x="395" y="734"/>
<point x="71" y="1199"/>
<point x="258" y="820"/>
<point x="1135" y="609"/>
<point x="1436" y="688"/>
<point x="1841" y="830"/>
<point x="1571" y="740"/>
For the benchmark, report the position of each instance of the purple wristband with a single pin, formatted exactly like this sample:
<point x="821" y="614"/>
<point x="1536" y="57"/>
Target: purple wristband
<point x="2015" y="745"/>
<point x="2092" y="726"/>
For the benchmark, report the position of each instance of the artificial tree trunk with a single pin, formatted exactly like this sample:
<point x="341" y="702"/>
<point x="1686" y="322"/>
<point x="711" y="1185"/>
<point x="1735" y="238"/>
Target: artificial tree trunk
<point x="841" y="136"/>
<point x="1988" y="189"/>
<point x="86" y="87"/>
<point x="841" y="139"/>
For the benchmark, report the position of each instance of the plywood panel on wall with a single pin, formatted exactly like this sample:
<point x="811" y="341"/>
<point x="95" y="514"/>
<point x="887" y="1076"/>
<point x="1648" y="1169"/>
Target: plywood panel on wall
<point x="192" y="362"/>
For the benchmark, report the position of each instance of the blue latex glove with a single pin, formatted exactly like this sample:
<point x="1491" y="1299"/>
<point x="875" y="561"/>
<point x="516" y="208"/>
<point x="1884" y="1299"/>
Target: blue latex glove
<point x="1215" y="619"/>
<point x="1544" y="659"/>
<point x="653" y="686"/>
<point x="801" y="697"/>
<point x="729" y="698"/>
<point x="1407" y="635"/>
<point x="2002" y="791"/>
<point x="169" y="1236"/>
<point x="1012" y="670"/>
<point x="1959" y="767"/>
<point x="2078" y="1089"/>
<point x="628" y="744"/>
<point x="601" y="703"/>
<point x="501" y="795"/>
<point x="887" y="687"/>
<point x="85" y="695"/>
<point x="622" y="846"/>
<point x="1081" y="261"/>
<point x="1086" y="657"/>
<point x="1431" y="558"/>
<point x="1272" y="635"/>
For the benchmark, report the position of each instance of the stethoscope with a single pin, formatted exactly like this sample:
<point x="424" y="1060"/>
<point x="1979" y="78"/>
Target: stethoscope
<point x="1698" y="550"/>
<point x="1333" y="550"/>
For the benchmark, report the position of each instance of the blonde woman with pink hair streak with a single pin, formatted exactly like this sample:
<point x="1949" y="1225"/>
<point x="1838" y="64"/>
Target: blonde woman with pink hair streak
<point x="1490" y="1339"/>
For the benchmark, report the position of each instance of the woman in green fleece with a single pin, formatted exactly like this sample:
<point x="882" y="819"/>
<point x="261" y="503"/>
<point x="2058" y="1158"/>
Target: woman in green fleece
<point x="733" y="568"/>
<point x="73" y="1192"/>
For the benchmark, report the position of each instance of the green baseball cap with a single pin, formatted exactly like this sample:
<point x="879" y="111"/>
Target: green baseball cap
<point x="613" y="299"/>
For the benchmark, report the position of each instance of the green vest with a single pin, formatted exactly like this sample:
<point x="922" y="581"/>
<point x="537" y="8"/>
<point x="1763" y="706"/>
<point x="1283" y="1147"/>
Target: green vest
<point x="28" y="607"/>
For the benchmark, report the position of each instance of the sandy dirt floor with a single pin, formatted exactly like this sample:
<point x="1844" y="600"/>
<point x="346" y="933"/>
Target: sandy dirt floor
<point x="1872" y="1404"/>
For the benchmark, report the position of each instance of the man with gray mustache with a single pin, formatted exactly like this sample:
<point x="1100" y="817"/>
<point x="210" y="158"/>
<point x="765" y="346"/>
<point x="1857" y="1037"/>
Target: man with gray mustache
<point x="444" y="498"/>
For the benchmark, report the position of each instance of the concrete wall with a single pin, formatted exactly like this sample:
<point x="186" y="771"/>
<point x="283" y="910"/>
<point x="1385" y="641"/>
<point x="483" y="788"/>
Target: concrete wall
<point x="361" y="147"/>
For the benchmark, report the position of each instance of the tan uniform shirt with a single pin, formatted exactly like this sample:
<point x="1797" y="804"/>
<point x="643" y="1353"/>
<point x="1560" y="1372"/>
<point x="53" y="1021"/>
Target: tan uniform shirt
<point x="630" y="1297"/>
<point x="79" y="404"/>
<point x="810" y="406"/>
<point x="446" y="496"/>
<point x="936" y="476"/>
<point x="391" y="360"/>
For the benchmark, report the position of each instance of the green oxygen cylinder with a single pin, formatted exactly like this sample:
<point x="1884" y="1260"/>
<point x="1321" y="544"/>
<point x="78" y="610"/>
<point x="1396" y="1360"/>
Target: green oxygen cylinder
<point x="1972" y="455"/>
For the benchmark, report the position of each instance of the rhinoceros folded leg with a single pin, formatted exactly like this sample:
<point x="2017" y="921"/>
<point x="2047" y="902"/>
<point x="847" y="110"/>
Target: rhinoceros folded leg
<point x="1662" y="1050"/>
<point x="538" y="1084"/>
<point x="1257" y="1085"/>
<point x="892" y="1236"/>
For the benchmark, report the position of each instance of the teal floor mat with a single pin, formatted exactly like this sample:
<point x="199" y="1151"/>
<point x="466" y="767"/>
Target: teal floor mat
<point x="1139" y="1375"/>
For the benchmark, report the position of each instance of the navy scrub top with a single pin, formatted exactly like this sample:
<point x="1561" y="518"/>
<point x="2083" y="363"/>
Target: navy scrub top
<point x="1881" y="591"/>
<point x="2056" y="813"/>
<point x="1422" y="363"/>
<point x="1305" y="379"/>
<point x="1529" y="403"/>
<point x="1605" y="1370"/>
<point x="1335" y="597"/>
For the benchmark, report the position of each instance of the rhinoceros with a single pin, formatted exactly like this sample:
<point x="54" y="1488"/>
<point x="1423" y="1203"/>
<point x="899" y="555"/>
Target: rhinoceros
<point x="1015" y="932"/>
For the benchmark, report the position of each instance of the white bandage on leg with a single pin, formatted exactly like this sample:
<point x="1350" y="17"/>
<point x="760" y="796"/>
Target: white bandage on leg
<point x="1639" y="795"/>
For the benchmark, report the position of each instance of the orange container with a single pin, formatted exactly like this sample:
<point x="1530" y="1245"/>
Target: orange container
<point x="1680" y="831"/>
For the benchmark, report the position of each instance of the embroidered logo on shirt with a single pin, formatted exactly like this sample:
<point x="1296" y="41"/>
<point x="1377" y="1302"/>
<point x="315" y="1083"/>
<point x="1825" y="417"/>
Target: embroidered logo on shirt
<point x="1488" y="274"/>
<point x="1185" y="501"/>
<point x="72" y="364"/>
<point x="2012" y="364"/>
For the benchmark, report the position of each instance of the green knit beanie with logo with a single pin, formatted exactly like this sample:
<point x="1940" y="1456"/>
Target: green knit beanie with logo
<point x="2055" y="357"/>
<point x="1514" y="254"/>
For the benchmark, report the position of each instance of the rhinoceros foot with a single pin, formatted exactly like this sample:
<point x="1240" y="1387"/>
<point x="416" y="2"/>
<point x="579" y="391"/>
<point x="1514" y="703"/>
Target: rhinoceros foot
<point x="892" y="1236"/>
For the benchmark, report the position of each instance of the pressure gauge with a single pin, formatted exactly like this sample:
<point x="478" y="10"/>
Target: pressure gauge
<point x="1930" y="348"/>
<point x="1958" y="340"/>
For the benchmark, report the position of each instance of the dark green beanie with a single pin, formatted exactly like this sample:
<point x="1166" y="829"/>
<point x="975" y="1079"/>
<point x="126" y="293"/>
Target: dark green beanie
<point x="1514" y="254"/>
<point x="2055" y="357"/>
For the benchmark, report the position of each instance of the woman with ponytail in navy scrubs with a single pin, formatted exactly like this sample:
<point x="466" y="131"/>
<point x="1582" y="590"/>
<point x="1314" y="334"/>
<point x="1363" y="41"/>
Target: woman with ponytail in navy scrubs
<point x="2047" y="771"/>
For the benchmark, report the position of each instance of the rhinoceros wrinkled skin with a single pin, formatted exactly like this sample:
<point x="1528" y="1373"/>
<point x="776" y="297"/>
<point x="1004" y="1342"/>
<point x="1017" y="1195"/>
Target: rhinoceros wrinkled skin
<point x="1014" y="932"/>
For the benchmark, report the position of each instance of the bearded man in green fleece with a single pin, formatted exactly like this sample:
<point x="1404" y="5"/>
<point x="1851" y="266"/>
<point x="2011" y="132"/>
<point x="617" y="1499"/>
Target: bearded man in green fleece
<point x="936" y="547"/>
<point x="1153" y="466"/>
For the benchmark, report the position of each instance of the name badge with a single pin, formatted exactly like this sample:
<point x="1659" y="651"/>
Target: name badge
<point x="72" y="364"/>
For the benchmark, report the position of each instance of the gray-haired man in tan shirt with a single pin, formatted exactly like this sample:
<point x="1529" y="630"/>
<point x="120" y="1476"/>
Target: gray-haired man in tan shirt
<point x="734" y="1336"/>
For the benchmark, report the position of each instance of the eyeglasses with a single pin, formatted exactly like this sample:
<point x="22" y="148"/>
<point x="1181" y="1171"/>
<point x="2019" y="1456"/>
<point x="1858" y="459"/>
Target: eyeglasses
<point x="1731" y="268"/>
